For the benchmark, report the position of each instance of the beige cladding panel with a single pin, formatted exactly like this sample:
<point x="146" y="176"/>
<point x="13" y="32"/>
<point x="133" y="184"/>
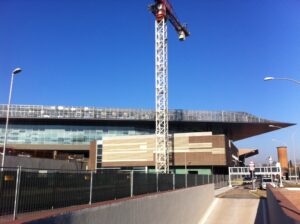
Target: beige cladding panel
<point x="127" y="140"/>
<point x="200" y="150"/>
<point x="218" y="151"/>
<point x="142" y="156"/>
<point x="181" y="141"/>
<point x="119" y="150"/>
<point x="112" y="148"/>
<point x="182" y="144"/>
<point x="200" y="145"/>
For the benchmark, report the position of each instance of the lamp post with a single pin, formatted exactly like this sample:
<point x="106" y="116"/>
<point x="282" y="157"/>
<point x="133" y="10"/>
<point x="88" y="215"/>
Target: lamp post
<point x="294" y="149"/>
<point x="16" y="71"/>
<point x="270" y="165"/>
<point x="185" y="167"/>
<point x="268" y="78"/>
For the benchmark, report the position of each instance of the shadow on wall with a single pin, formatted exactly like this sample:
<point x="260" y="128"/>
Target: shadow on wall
<point x="262" y="212"/>
<point x="37" y="163"/>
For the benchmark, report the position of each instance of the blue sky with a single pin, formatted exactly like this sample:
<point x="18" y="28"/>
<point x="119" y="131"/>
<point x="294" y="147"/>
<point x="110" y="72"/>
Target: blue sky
<point x="101" y="53"/>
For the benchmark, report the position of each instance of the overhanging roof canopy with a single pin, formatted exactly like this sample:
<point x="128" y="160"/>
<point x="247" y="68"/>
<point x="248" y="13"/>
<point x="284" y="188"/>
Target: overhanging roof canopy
<point x="246" y="153"/>
<point x="236" y="125"/>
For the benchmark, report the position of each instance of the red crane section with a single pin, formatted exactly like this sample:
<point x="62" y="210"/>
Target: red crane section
<point x="162" y="9"/>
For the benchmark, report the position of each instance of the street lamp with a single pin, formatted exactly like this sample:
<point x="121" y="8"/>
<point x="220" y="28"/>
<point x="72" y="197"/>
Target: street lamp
<point x="297" y="82"/>
<point x="268" y="78"/>
<point x="16" y="71"/>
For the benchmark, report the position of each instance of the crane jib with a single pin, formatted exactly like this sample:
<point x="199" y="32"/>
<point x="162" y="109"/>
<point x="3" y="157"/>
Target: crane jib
<point x="162" y="9"/>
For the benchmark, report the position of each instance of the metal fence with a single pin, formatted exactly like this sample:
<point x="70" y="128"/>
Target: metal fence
<point x="220" y="180"/>
<point x="28" y="190"/>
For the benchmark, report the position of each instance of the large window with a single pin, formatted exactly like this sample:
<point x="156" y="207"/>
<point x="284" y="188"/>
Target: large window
<point x="58" y="134"/>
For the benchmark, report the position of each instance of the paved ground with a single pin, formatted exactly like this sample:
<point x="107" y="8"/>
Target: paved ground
<point x="292" y="194"/>
<point x="237" y="206"/>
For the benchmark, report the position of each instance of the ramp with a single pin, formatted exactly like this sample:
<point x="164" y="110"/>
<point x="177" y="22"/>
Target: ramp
<point x="236" y="206"/>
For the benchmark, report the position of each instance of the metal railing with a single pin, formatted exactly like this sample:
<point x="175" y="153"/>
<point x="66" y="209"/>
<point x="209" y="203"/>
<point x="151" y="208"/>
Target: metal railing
<point x="28" y="190"/>
<point x="93" y="113"/>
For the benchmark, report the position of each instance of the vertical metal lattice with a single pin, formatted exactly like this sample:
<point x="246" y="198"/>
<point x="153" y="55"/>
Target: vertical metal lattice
<point x="161" y="79"/>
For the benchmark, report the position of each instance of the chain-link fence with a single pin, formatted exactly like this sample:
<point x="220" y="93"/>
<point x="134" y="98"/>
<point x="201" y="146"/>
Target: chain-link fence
<point x="28" y="190"/>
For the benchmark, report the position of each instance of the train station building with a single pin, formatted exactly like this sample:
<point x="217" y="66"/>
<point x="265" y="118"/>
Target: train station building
<point x="200" y="141"/>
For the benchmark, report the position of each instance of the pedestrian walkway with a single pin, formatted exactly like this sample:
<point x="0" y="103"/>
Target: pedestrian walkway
<point x="236" y="206"/>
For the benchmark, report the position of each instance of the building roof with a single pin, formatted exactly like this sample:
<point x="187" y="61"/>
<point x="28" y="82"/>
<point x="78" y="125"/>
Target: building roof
<point x="236" y="125"/>
<point x="245" y="153"/>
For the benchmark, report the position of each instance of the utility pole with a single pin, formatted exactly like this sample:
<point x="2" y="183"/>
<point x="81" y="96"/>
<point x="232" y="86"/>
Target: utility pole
<point x="163" y="12"/>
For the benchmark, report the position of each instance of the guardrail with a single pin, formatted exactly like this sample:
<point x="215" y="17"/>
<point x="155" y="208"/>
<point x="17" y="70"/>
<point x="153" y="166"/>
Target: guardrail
<point x="236" y="174"/>
<point x="28" y="190"/>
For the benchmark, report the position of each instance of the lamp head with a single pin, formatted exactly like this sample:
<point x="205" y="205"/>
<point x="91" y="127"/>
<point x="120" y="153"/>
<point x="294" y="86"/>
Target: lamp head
<point x="17" y="70"/>
<point x="269" y="78"/>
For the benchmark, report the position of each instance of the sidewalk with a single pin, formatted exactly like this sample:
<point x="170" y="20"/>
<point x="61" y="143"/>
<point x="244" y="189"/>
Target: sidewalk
<point x="223" y="190"/>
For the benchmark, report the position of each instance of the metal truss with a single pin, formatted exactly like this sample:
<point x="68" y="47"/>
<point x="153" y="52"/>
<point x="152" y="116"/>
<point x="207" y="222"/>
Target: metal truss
<point x="93" y="113"/>
<point x="161" y="80"/>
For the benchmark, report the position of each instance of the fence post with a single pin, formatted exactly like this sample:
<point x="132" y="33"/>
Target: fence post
<point x="185" y="180"/>
<point x="156" y="182"/>
<point x="131" y="183"/>
<point x="91" y="187"/>
<point x="223" y="180"/>
<point x="207" y="178"/>
<point x="229" y="178"/>
<point x="17" y="192"/>
<point x="173" y="181"/>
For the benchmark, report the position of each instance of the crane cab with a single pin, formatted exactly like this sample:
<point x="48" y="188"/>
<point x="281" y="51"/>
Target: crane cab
<point x="161" y="12"/>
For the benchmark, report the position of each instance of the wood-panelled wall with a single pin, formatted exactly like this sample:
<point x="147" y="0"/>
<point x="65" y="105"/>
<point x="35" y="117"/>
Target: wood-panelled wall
<point x="193" y="149"/>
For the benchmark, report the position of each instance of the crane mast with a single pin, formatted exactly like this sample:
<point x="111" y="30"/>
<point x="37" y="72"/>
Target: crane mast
<point x="163" y="12"/>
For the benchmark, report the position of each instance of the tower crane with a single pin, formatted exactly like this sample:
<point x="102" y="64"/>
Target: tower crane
<point x="163" y="12"/>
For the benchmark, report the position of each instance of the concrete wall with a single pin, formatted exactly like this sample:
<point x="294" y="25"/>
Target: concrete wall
<point x="280" y="210"/>
<point x="36" y="163"/>
<point x="176" y="207"/>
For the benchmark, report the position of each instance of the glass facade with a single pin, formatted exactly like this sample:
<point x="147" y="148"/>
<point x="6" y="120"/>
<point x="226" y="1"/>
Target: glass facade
<point x="53" y="132"/>
<point x="64" y="134"/>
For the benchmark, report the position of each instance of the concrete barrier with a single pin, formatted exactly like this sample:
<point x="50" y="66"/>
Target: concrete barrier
<point x="280" y="209"/>
<point x="176" y="207"/>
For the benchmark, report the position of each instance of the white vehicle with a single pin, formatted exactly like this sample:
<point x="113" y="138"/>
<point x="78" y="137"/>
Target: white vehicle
<point x="265" y="181"/>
